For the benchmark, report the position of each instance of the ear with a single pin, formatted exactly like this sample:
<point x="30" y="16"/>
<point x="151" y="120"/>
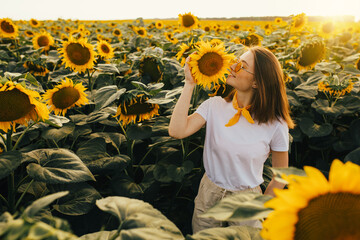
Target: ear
<point x="254" y="85"/>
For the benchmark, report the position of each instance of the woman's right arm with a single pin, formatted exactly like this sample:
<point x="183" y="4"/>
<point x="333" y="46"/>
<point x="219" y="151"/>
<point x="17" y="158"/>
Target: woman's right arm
<point x="181" y="125"/>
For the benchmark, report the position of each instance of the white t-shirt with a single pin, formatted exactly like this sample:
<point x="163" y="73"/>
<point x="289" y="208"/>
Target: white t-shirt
<point x="234" y="156"/>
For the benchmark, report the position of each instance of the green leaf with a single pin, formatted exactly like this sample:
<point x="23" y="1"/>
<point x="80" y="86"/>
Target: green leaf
<point x="37" y="189"/>
<point x="116" y="139"/>
<point x="92" y="149"/>
<point x="138" y="219"/>
<point x="322" y="107"/>
<point x="79" y="201"/>
<point x="102" y="235"/>
<point x="57" y="166"/>
<point x="138" y="131"/>
<point x="355" y="130"/>
<point x="353" y="156"/>
<point x="41" y="230"/>
<point x="177" y="173"/>
<point x="58" y="134"/>
<point x="39" y="204"/>
<point x="108" y="164"/>
<point x="312" y="129"/>
<point x="227" y="233"/>
<point x="278" y="172"/>
<point x="107" y="95"/>
<point x="306" y="91"/>
<point x="242" y="206"/>
<point x="9" y="161"/>
<point x="107" y="68"/>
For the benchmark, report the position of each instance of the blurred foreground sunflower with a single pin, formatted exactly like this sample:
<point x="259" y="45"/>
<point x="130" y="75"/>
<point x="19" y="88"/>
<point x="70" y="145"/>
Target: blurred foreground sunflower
<point x="136" y="110"/>
<point x="188" y="21"/>
<point x="210" y="63"/>
<point x="314" y="208"/>
<point x="78" y="54"/>
<point x="7" y="28"/>
<point x="65" y="96"/>
<point x="104" y="49"/>
<point x="310" y="54"/>
<point x="19" y="105"/>
<point x="44" y="40"/>
<point x="36" y="69"/>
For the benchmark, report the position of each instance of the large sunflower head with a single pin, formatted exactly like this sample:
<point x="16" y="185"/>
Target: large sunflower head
<point x="298" y="22"/>
<point x="314" y="208"/>
<point x="188" y="21"/>
<point x="19" y="105"/>
<point x="136" y="110"/>
<point x="8" y="29"/>
<point x="34" y="23"/>
<point x="149" y="70"/>
<point x="36" y="69"/>
<point x="44" y="40"/>
<point x="104" y="49"/>
<point x="78" y="54"/>
<point x="210" y="63"/>
<point x="65" y="96"/>
<point x="311" y="53"/>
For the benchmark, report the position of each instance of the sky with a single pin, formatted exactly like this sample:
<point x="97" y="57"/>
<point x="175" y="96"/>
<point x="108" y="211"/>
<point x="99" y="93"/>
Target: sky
<point x="153" y="9"/>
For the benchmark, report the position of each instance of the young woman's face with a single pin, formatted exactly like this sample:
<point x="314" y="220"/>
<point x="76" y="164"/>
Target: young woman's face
<point x="244" y="79"/>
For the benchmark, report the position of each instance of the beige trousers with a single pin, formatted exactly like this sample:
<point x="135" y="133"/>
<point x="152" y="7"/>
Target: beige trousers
<point x="209" y="194"/>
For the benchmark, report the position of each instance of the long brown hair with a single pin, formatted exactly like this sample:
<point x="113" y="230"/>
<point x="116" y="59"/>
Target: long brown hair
<point x="269" y="101"/>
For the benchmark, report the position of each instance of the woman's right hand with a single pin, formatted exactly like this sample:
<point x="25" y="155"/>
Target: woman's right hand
<point x="189" y="78"/>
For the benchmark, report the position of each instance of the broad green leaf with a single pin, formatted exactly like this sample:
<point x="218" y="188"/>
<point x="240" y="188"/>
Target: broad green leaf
<point x="102" y="235"/>
<point x="92" y="149"/>
<point x="161" y="173"/>
<point x="39" y="204"/>
<point x="107" y="95"/>
<point x="37" y="189"/>
<point x="240" y="207"/>
<point x="306" y="91"/>
<point x="57" y="166"/>
<point x="80" y="200"/>
<point x="160" y="101"/>
<point x="138" y="132"/>
<point x="108" y="164"/>
<point x="312" y="129"/>
<point x="353" y="156"/>
<point x="58" y="134"/>
<point x="9" y="161"/>
<point x="177" y="173"/>
<point x="97" y="116"/>
<point x="15" y="229"/>
<point x="322" y="107"/>
<point x="107" y="68"/>
<point x="41" y="230"/>
<point x="116" y="139"/>
<point x="228" y="233"/>
<point x="278" y="172"/>
<point x="355" y="130"/>
<point x="136" y="216"/>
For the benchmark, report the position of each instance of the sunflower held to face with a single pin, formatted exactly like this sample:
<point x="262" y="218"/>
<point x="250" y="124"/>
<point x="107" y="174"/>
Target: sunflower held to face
<point x="64" y="96"/>
<point x="104" y="49"/>
<point x="188" y="21"/>
<point x="43" y="40"/>
<point x="19" y="105"/>
<point x="312" y="203"/>
<point x="210" y="63"/>
<point x="136" y="110"/>
<point x="8" y="29"/>
<point x="36" y="69"/>
<point x="310" y="54"/>
<point x="78" y="54"/>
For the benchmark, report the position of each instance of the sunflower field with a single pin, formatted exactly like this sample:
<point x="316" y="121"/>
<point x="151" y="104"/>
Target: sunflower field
<point x="84" y="112"/>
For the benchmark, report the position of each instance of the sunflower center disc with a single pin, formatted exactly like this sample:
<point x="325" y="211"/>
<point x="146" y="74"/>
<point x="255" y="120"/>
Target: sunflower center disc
<point x="14" y="105"/>
<point x="332" y="216"/>
<point x="43" y="41"/>
<point x="65" y="97"/>
<point x="137" y="108"/>
<point x="141" y="32"/>
<point x="310" y="55"/>
<point x="7" y="27"/>
<point x="34" y="22"/>
<point x="210" y="63"/>
<point x="149" y="69"/>
<point x="188" y="20"/>
<point x="117" y="32"/>
<point x="105" y="49"/>
<point x="78" y="54"/>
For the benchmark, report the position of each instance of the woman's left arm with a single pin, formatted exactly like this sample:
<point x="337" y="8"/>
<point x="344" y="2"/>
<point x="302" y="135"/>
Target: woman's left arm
<point x="279" y="160"/>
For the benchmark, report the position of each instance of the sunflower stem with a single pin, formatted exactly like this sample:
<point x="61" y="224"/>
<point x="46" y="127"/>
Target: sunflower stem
<point x="11" y="193"/>
<point x="17" y="50"/>
<point x="89" y="77"/>
<point x="23" y="194"/>
<point x="9" y="140"/>
<point x="4" y="140"/>
<point x="4" y="200"/>
<point x="22" y="135"/>
<point x="142" y="160"/>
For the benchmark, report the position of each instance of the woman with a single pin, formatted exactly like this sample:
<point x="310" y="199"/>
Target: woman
<point x="242" y="129"/>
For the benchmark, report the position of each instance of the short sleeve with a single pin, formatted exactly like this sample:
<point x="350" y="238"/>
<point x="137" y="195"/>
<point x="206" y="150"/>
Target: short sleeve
<point x="203" y="109"/>
<point x="280" y="140"/>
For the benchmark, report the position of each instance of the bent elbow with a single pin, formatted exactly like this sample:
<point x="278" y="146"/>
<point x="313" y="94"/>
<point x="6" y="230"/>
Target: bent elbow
<point x="174" y="134"/>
